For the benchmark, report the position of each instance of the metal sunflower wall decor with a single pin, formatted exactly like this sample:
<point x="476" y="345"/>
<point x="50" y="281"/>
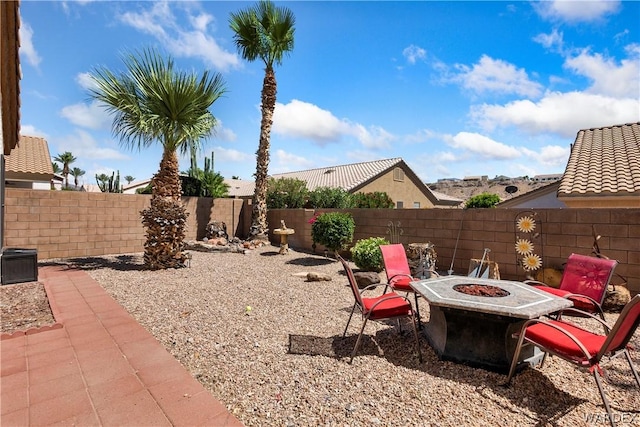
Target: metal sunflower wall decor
<point x="528" y="242"/>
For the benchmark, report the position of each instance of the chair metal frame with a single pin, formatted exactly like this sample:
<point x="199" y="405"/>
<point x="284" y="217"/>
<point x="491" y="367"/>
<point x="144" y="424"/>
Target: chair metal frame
<point x="615" y="343"/>
<point x="371" y="314"/>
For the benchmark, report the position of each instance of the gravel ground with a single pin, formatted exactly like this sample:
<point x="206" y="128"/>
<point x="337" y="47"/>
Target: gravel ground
<point x="284" y="361"/>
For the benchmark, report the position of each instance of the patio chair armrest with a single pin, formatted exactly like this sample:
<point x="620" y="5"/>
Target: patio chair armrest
<point x="582" y="313"/>
<point x="568" y="334"/>
<point x="410" y="277"/>
<point x="532" y="282"/>
<point x="372" y="286"/>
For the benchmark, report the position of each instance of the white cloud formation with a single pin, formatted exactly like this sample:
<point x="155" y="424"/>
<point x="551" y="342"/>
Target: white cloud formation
<point x="299" y="119"/>
<point x="92" y="116"/>
<point x="482" y="146"/>
<point x="560" y="113"/>
<point x="609" y="78"/>
<point x="550" y="155"/>
<point x="85" y="81"/>
<point x="84" y="146"/>
<point x="553" y="41"/>
<point x="414" y="53"/>
<point x="575" y="11"/>
<point x="31" y="130"/>
<point x="231" y="155"/>
<point x="26" y="44"/>
<point x="497" y="76"/>
<point x="288" y="162"/>
<point x="160" y="22"/>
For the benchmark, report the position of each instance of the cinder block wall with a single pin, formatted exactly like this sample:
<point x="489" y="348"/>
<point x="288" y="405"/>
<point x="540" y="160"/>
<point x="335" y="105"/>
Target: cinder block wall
<point x="61" y="224"/>
<point x="564" y="231"/>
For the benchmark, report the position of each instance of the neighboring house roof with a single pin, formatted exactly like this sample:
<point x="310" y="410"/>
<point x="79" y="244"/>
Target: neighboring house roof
<point x="131" y="188"/>
<point x="604" y="162"/>
<point x="544" y="197"/>
<point x="29" y="160"/>
<point x="10" y="73"/>
<point x="446" y="199"/>
<point x="240" y="188"/>
<point x="354" y="176"/>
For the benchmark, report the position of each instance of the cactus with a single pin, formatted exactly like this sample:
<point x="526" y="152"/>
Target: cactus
<point x="109" y="185"/>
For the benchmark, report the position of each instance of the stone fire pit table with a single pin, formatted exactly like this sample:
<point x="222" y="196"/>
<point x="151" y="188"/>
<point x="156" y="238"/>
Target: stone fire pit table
<point x="477" y="330"/>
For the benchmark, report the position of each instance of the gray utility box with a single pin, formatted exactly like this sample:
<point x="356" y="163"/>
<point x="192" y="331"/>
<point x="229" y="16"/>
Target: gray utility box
<point x="19" y="265"/>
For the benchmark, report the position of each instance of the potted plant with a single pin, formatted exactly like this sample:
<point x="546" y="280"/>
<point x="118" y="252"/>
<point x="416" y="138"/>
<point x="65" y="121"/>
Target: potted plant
<point x="366" y="254"/>
<point x="334" y="230"/>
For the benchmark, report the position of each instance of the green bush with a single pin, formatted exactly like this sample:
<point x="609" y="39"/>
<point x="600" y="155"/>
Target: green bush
<point x="327" y="197"/>
<point x="286" y="193"/>
<point x="375" y="200"/>
<point x="366" y="253"/>
<point x="333" y="230"/>
<point x="484" y="200"/>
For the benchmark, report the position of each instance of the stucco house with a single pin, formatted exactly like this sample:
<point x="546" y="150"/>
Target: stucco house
<point x="392" y="176"/>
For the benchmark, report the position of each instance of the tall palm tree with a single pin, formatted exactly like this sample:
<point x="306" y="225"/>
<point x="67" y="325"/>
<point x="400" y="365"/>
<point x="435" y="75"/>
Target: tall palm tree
<point x="152" y="102"/>
<point x="129" y="179"/>
<point x="56" y="168"/>
<point x="264" y="32"/>
<point x="76" y="173"/>
<point x="66" y="159"/>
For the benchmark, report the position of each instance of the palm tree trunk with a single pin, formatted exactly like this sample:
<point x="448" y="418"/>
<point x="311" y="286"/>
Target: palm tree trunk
<point x="259" y="226"/>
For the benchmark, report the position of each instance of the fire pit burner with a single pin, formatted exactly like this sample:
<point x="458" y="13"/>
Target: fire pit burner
<point x="481" y="290"/>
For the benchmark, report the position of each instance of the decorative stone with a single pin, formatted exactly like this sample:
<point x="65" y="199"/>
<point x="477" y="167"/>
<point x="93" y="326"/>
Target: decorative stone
<point x="318" y="277"/>
<point x="616" y="298"/>
<point x="366" y="278"/>
<point x="217" y="229"/>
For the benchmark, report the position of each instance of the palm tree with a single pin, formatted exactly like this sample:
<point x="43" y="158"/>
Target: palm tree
<point x="129" y="179"/>
<point x="66" y="159"/>
<point x="152" y="102"/>
<point x="266" y="32"/>
<point x="56" y="168"/>
<point x="76" y="173"/>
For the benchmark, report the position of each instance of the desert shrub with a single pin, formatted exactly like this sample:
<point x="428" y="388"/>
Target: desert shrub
<point x="327" y="197"/>
<point x="484" y="200"/>
<point x="286" y="193"/>
<point x="375" y="200"/>
<point x="333" y="230"/>
<point x="366" y="253"/>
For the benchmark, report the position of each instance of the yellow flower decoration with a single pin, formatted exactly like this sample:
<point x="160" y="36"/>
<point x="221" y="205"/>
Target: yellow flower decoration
<point x="531" y="262"/>
<point x="526" y="224"/>
<point x="524" y="246"/>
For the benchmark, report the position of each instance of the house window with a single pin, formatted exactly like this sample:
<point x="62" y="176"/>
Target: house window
<point x="398" y="174"/>
<point x="416" y="205"/>
<point x="399" y="205"/>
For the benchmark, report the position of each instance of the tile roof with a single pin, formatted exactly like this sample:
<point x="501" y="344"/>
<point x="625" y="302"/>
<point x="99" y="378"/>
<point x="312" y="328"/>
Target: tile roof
<point x="240" y="188"/>
<point x="30" y="156"/>
<point x="348" y="177"/>
<point x="604" y="161"/>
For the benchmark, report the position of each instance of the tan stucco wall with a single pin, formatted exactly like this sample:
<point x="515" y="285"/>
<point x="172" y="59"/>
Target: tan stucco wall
<point x="405" y="191"/>
<point x="602" y="202"/>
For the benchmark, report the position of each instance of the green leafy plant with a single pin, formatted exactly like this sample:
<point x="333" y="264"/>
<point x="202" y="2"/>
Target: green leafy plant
<point x="375" y="200"/>
<point x="484" y="200"/>
<point x="366" y="253"/>
<point x="286" y="193"/>
<point x="327" y="197"/>
<point x="333" y="230"/>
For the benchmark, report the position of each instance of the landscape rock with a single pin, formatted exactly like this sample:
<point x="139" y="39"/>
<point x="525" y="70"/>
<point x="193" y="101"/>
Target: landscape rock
<point x="366" y="278"/>
<point x="317" y="277"/>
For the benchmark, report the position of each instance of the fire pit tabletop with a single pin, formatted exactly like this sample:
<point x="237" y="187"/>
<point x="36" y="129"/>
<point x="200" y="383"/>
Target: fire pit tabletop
<point x="523" y="301"/>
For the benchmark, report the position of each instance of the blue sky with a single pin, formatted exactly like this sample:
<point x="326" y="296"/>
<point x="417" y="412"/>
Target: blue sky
<point x="454" y="88"/>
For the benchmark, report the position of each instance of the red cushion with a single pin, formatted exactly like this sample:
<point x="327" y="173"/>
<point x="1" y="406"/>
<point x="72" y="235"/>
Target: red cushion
<point x="401" y="283"/>
<point x="552" y="339"/>
<point x="392" y="305"/>
<point x="578" y="302"/>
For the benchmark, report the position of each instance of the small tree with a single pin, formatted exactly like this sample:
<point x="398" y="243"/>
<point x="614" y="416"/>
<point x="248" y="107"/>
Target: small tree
<point x="484" y="200"/>
<point x="286" y="193"/>
<point x="327" y="197"/>
<point x="366" y="253"/>
<point x="129" y="179"/>
<point x="333" y="230"/>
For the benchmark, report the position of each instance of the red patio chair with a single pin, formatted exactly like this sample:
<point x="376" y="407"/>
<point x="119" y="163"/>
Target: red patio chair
<point x="396" y="267"/>
<point x="584" y="282"/>
<point x="579" y="346"/>
<point x="385" y="306"/>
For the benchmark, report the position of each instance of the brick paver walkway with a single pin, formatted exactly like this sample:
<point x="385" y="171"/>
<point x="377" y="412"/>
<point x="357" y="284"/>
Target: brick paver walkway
<point x="96" y="366"/>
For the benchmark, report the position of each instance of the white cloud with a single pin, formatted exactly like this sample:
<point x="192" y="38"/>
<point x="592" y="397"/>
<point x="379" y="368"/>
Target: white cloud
<point x="299" y="119"/>
<point x="85" y="81"/>
<point x="575" y="11"/>
<point x="560" y="113"/>
<point x="26" y="44"/>
<point x="229" y="155"/>
<point x="482" y="146"/>
<point x="223" y="133"/>
<point x="422" y="135"/>
<point x="413" y="53"/>
<point x="608" y="77"/>
<point x="495" y="75"/>
<point x="84" y="146"/>
<point x="553" y="41"/>
<point x="287" y="162"/>
<point x="160" y="22"/>
<point x="92" y="116"/>
<point x="550" y="155"/>
<point x="31" y="130"/>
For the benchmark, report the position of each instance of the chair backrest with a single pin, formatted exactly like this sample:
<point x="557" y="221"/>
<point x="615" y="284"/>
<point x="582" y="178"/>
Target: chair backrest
<point x="395" y="260"/>
<point x="623" y="329"/>
<point x="352" y="280"/>
<point x="587" y="275"/>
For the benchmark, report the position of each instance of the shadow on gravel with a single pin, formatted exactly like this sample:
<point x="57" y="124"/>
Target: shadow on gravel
<point x="119" y="262"/>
